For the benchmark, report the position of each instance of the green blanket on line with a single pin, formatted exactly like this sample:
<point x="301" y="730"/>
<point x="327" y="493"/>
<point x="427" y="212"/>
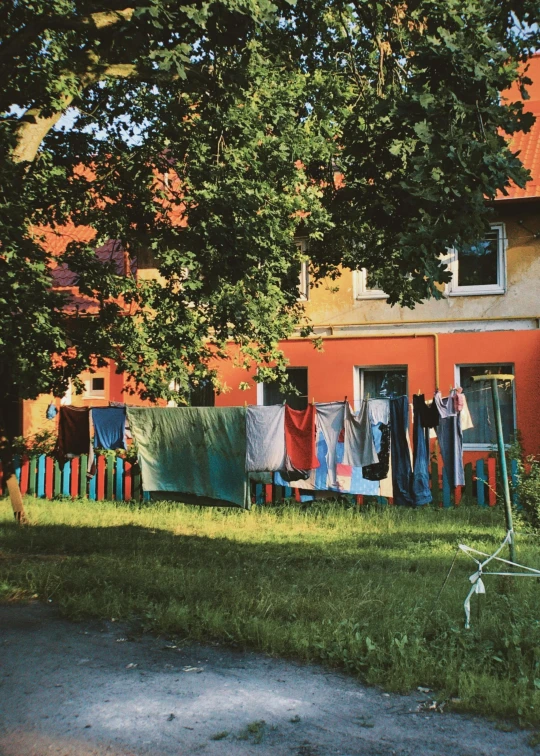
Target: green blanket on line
<point x="197" y="451"/>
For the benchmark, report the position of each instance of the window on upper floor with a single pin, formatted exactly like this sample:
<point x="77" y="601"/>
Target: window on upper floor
<point x="480" y="404"/>
<point x="480" y="268"/>
<point x="298" y="377"/>
<point x="362" y="289"/>
<point x="303" y="277"/>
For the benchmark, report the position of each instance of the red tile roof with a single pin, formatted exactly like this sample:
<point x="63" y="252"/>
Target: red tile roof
<point x="56" y="241"/>
<point x="527" y="145"/>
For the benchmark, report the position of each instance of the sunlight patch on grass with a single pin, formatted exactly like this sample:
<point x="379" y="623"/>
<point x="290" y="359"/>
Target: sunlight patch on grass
<point x="354" y="589"/>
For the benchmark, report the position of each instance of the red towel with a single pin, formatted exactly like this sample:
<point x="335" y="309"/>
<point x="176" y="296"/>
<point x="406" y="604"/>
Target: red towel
<point x="300" y="437"/>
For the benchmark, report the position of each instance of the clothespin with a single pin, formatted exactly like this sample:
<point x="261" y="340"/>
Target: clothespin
<point x="313" y="401"/>
<point x="245" y="404"/>
<point x="419" y="392"/>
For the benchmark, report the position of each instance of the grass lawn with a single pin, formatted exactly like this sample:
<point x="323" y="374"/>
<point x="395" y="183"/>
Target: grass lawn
<point x="352" y="589"/>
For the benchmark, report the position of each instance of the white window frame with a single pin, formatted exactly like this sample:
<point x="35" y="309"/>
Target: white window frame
<point x="90" y="392"/>
<point x="360" y="287"/>
<point x="457" y="378"/>
<point x="455" y="290"/>
<point x="359" y="371"/>
<point x="303" y="283"/>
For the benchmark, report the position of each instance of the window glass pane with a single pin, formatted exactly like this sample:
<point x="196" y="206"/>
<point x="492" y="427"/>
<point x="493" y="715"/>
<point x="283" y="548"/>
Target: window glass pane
<point x="478" y="264"/>
<point x="481" y="405"/>
<point x="98" y="384"/>
<point x="202" y="395"/>
<point x="370" y="284"/>
<point x="385" y="383"/>
<point x="298" y="379"/>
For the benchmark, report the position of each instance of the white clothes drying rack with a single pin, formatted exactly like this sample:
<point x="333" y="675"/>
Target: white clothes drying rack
<point x="476" y="578"/>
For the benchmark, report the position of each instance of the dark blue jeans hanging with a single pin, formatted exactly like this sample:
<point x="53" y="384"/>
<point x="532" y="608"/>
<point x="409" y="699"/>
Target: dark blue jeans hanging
<point x="421" y="490"/>
<point x="399" y="452"/>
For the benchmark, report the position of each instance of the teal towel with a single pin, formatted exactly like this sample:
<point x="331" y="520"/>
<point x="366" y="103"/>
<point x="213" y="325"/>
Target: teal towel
<point x="197" y="451"/>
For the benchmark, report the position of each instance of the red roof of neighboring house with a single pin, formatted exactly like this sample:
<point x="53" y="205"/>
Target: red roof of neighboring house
<point x="56" y="241"/>
<point x="528" y="145"/>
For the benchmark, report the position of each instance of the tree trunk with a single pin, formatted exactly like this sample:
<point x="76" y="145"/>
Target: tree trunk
<point x="9" y="428"/>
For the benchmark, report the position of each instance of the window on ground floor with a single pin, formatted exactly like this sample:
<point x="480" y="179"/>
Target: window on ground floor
<point x="202" y="395"/>
<point x="298" y="377"/>
<point x="480" y="404"/>
<point x="95" y="388"/>
<point x="381" y="382"/>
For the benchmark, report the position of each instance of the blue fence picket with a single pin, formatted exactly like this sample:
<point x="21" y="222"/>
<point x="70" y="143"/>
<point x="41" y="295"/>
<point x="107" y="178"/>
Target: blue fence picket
<point x="480" y="482"/>
<point x="66" y="479"/>
<point x="92" y="491"/>
<point x="119" y="480"/>
<point x="41" y="477"/>
<point x="17" y="465"/>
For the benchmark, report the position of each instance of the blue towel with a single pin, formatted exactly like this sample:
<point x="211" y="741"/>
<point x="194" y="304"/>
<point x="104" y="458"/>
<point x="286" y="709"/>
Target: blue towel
<point x="109" y="427"/>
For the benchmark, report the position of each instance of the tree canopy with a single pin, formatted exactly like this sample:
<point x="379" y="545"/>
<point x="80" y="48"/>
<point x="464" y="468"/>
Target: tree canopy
<point x="205" y="136"/>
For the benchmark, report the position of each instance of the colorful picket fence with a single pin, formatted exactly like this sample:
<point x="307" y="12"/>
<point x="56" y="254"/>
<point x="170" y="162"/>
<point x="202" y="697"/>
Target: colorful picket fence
<point x="115" y="478"/>
<point x="119" y="480"/>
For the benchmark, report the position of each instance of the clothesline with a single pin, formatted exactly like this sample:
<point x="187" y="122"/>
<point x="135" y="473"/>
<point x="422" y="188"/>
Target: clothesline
<point x="211" y="451"/>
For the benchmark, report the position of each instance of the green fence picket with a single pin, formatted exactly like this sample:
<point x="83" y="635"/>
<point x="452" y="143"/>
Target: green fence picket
<point x="109" y="485"/>
<point x="32" y="476"/>
<point x="83" y="480"/>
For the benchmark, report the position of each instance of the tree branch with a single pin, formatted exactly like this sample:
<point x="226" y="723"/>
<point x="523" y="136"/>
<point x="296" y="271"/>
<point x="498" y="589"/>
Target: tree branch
<point x="33" y="126"/>
<point x="97" y="21"/>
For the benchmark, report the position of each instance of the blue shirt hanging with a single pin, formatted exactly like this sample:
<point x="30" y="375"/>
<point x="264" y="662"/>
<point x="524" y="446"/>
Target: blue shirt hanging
<point x="109" y="427"/>
<point x="51" y="411"/>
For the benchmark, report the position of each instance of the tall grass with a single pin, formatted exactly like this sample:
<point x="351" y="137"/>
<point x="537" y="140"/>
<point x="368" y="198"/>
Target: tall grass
<point x="353" y="589"/>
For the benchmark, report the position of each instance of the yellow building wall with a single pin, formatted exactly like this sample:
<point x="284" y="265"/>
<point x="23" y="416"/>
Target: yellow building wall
<point x="521" y="300"/>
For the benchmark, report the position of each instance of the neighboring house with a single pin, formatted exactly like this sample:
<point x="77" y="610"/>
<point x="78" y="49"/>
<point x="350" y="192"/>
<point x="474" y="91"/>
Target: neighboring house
<point x="488" y="320"/>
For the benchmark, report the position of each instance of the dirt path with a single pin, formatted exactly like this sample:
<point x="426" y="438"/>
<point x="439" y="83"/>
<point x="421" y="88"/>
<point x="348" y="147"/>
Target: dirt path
<point x="90" y="689"/>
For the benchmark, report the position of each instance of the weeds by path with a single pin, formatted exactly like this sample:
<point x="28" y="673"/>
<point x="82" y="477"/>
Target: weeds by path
<point x="352" y="589"/>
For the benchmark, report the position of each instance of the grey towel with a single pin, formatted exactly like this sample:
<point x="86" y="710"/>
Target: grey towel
<point x="330" y="419"/>
<point x="359" y="447"/>
<point x="265" y="431"/>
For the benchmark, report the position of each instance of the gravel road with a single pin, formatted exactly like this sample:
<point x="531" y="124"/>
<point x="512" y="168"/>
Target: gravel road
<point x="98" y="688"/>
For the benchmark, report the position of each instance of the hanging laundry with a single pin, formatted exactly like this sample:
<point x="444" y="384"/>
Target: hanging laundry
<point x="197" y="454"/>
<point x="379" y="411"/>
<point x="450" y="439"/>
<point x="349" y="480"/>
<point x="51" y="411"/>
<point x="330" y="422"/>
<point x="459" y="399"/>
<point x="73" y="434"/>
<point x="381" y="437"/>
<point x="401" y="455"/>
<point x="127" y="431"/>
<point x="109" y="427"/>
<point x="359" y="446"/>
<point x="420" y="489"/>
<point x="265" y="431"/>
<point x="300" y="438"/>
<point x="465" y="416"/>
